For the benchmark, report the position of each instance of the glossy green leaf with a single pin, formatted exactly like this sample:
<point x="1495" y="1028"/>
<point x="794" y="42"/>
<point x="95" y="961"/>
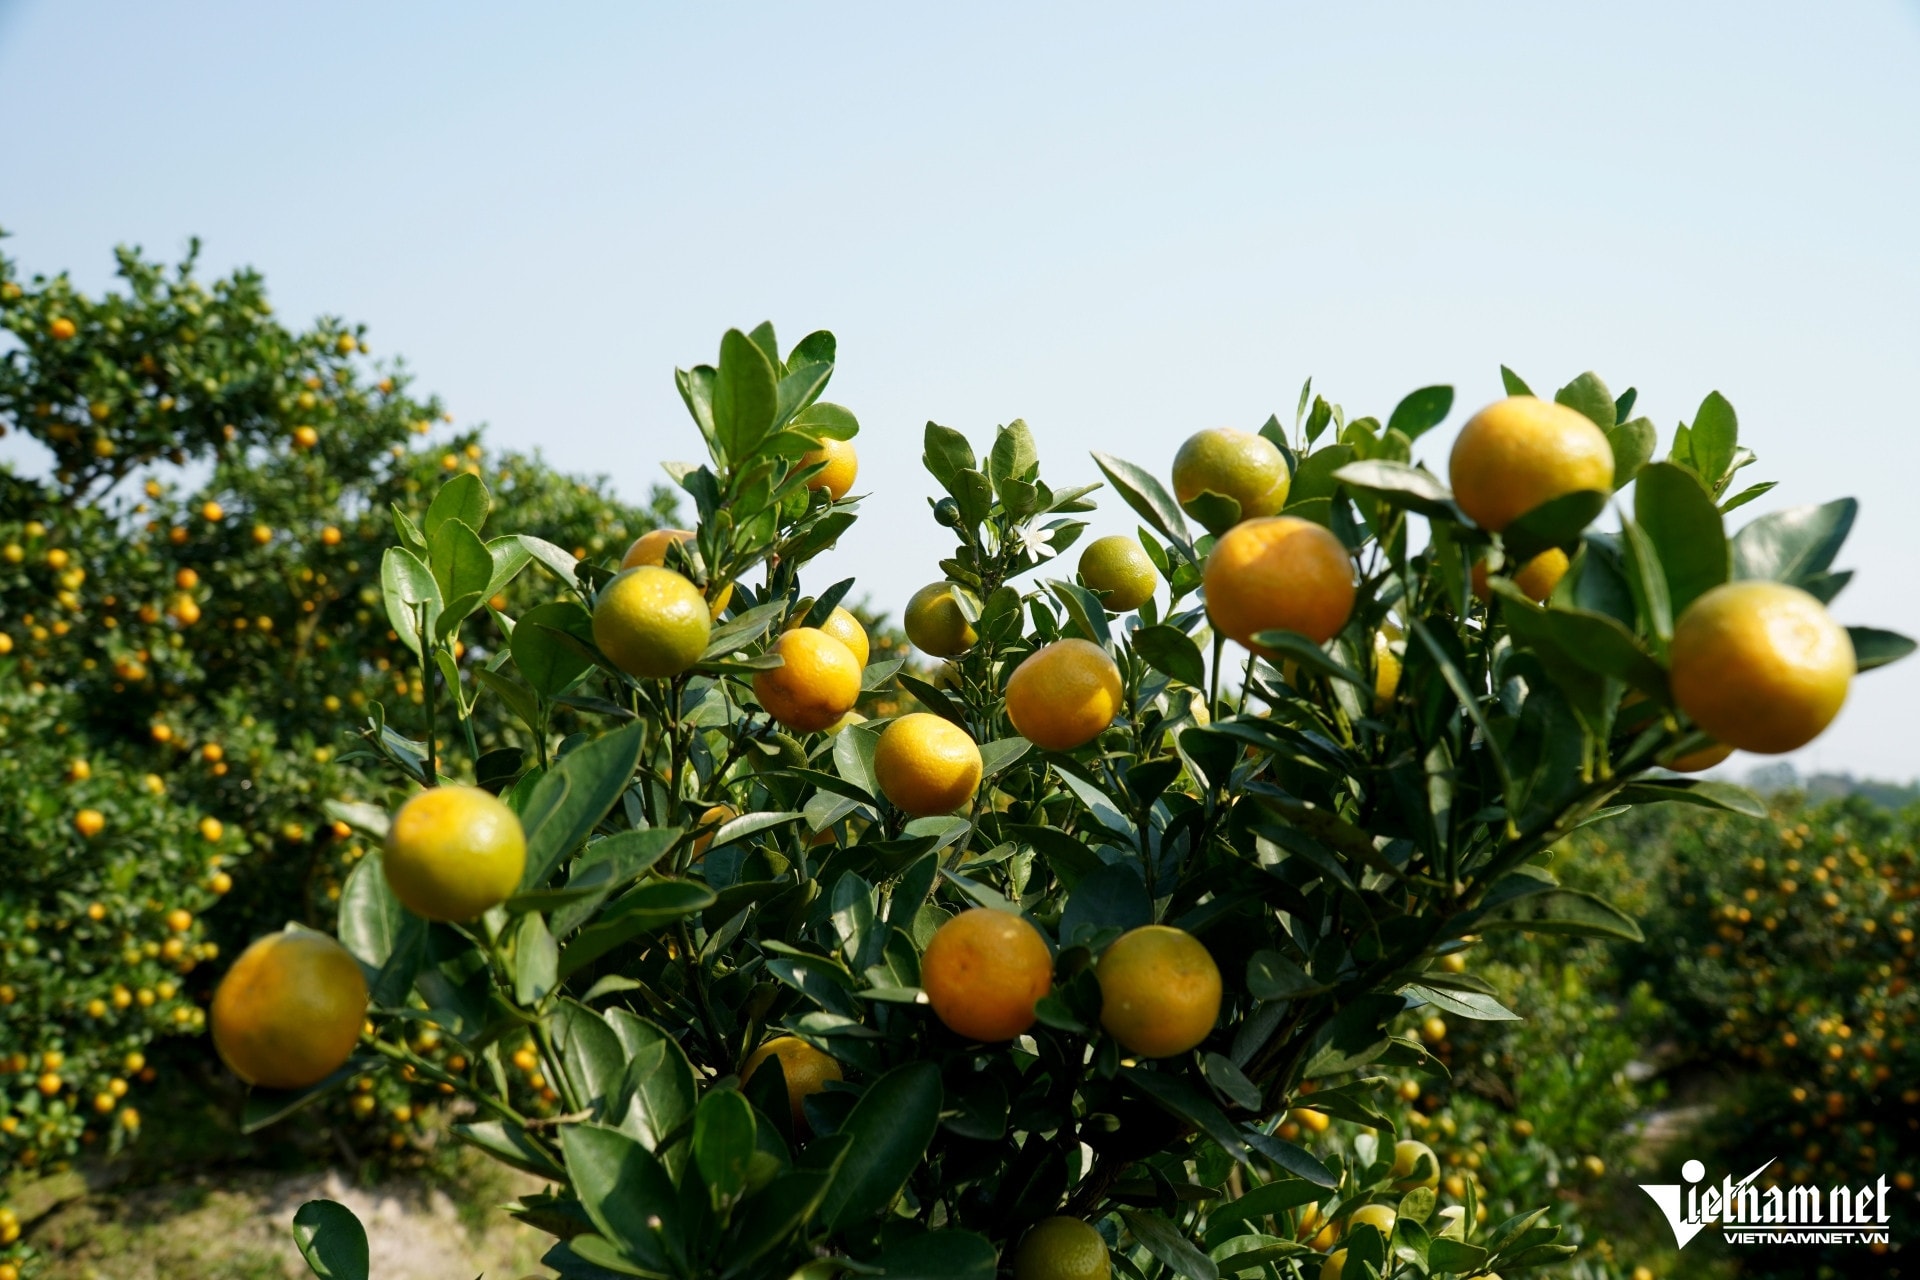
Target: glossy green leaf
<point x="1633" y="444"/>
<point x="1399" y="485"/>
<point x="1568" y="911"/>
<point x="1680" y="520"/>
<point x="1555" y="523"/>
<point x="573" y="797"/>
<point x="626" y="1192"/>
<point x="1421" y="411"/>
<point x="889" y="1129"/>
<point x="1172" y="653"/>
<point x="1873" y="647"/>
<point x="462" y="498"/>
<point x="407" y="586"/>
<point x="723" y="1142"/>
<point x="332" y="1240"/>
<point x="745" y="394"/>
<point x="1468" y="1004"/>
<point x="1588" y="396"/>
<point x="549" y="665"/>
<point x="1704" y="792"/>
<point x="370" y="918"/>
<point x="1139" y="490"/>
<point x="938" y="1255"/>
<point x="1715" y="436"/>
<point x="1164" y="1241"/>
<point x="461" y="563"/>
<point x="1794" y="545"/>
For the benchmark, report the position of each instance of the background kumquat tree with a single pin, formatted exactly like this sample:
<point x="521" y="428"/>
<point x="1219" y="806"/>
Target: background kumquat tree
<point x="191" y="627"/>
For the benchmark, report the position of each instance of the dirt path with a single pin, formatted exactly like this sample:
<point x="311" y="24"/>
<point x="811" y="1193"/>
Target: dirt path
<point x="238" y="1229"/>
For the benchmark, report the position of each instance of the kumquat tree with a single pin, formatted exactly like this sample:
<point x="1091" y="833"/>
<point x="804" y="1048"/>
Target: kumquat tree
<point x="1028" y="979"/>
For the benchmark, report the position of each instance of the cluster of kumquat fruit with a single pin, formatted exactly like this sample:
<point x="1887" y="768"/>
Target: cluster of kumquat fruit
<point x="186" y="654"/>
<point x="1069" y="965"/>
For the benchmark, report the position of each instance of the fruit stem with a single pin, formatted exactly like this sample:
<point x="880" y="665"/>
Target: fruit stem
<point x="486" y="1101"/>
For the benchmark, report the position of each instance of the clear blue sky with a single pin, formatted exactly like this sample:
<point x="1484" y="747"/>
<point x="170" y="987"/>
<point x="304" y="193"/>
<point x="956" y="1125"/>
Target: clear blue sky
<point x="1122" y="223"/>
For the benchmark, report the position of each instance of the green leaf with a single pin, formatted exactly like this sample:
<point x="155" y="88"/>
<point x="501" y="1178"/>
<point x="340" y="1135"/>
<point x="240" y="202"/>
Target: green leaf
<point x="1567" y="911"/>
<point x="1748" y="494"/>
<point x="824" y="421"/>
<point x="519" y="699"/>
<point x="1456" y="1256"/>
<point x="1588" y="396"/>
<point x="463" y="498"/>
<point x="590" y="1054"/>
<point x="1272" y="976"/>
<point x="510" y="1146"/>
<point x="938" y="1255"/>
<point x="1171" y="652"/>
<point x="1164" y="1241"/>
<point x="1175" y="1096"/>
<point x="461" y="563"/>
<point x="1421" y="411"/>
<point x="1013" y="456"/>
<point x="1400" y="485"/>
<point x="1873" y="647"/>
<point x="1593" y="640"/>
<point x="1265" y="1201"/>
<point x="598" y="1253"/>
<point x="1356" y="1034"/>
<point x="642" y="909"/>
<point x="1716" y="434"/>
<point x="549" y="664"/>
<point x="1230" y="1082"/>
<point x="332" y="1240"/>
<point x="946" y="454"/>
<point x="370" y="917"/>
<point x="999" y="754"/>
<point x="1705" y="792"/>
<point x="696" y="389"/>
<point x="1468" y="1004"/>
<point x="743" y="630"/>
<point x="745" y="396"/>
<point x="1315" y="476"/>
<point x="1633" y="444"/>
<point x="657" y="1091"/>
<point x="406" y="584"/>
<point x="536" y="960"/>
<point x="574" y="795"/>
<point x="1291" y="644"/>
<point x="558" y="561"/>
<point x="1514" y="384"/>
<point x="1084" y="608"/>
<point x="1794" y="545"/>
<point x="1555" y="523"/>
<point x="626" y="1192"/>
<point x="1114" y="897"/>
<point x="1680" y="520"/>
<point x="1647" y="581"/>
<point x="723" y="1142"/>
<point x="509" y="556"/>
<point x="889" y="1129"/>
<point x="1139" y="490"/>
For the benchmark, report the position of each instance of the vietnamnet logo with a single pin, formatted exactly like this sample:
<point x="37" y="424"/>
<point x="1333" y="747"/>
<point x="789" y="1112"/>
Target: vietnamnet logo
<point x="1792" y="1215"/>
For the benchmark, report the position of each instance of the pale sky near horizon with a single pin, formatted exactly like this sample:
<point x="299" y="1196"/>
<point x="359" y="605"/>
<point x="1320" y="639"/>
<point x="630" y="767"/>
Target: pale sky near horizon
<point x="1123" y="223"/>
